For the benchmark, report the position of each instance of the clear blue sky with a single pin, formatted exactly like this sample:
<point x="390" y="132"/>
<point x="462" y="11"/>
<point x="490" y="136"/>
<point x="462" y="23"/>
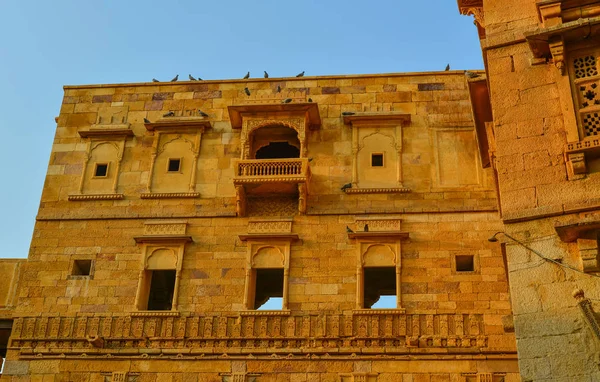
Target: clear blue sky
<point x="48" y="44"/>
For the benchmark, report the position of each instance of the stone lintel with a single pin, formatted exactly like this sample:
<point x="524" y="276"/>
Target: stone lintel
<point x="398" y="235"/>
<point x="311" y="109"/>
<point x="269" y="236"/>
<point x="106" y="133"/>
<point x="377" y="117"/>
<point x="178" y="122"/>
<point x="163" y="239"/>
<point x="571" y="231"/>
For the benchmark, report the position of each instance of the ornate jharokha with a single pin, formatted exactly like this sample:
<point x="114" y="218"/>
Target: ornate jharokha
<point x="263" y="125"/>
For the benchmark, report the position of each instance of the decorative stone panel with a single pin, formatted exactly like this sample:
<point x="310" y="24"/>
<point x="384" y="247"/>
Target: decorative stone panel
<point x="269" y="226"/>
<point x="152" y="228"/>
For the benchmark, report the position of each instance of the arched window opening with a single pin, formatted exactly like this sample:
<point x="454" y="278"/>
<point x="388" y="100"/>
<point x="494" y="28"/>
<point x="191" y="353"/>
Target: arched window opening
<point x="275" y="150"/>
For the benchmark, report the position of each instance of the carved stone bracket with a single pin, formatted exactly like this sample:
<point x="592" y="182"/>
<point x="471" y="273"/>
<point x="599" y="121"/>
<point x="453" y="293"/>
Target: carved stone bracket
<point x="585" y="304"/>
<point x="474" y="8"/>
<point x="557" y="50"/>
<point x="585" y="233"/>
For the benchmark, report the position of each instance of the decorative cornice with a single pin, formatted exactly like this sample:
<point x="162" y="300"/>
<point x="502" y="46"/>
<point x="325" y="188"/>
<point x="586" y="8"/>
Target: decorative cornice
<point x="237" y="112"/>
<point x="393" y="190"/>
<point x="155" y="313"/>
<point x="280" y="179"/>
<point x="169" y="195"/>
<point x="163" y="239"/>
<point x="179" y="122"/>
<point x="398" y="235"/>
<point x="592" y="144"/>
<point x="80" y="198"/>
<point x="269" y="236"/>
<point x="371" y="312"/>
<point x="260" y="313"/>
<point x="375" y="117"/>
<point x="106" y="133"/>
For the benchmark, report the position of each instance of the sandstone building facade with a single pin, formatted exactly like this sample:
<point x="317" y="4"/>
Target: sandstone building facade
<point x="540" y="129"/>
<point x="172" y="212"/>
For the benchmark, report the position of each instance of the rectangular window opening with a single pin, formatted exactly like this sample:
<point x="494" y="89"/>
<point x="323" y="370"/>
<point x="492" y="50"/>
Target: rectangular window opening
<point x="465" y="263"/>
<point x="174" y="165"/>
<point x="380" y="288"/>
<point x="101" y="170"/>
<point x="82" y="268"/>
<point x="377" y="160"/>
<point x="268" y="294"/>
<point x="162" y="287"/>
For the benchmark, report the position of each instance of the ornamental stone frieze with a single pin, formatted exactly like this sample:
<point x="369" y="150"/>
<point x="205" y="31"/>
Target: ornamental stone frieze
<point x="390" y="333"/>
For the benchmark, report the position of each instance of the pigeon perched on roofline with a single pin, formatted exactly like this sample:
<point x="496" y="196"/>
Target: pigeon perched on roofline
<point x="247" y="76"/>
<point x="348" y="113"/>
<point x="300" y="74"/>
<point x="175" y="78"/>
<point x="447" y="67"/>
<point x="191" y="77"/>
<point x="169" y="114"/>
<point x="202" y="114"/>
<point x="266" y="74"/>
<point x="346" y="186"/>
<point x="247" y="91"/>
<point x="310" y="100"/>
<point x="199" y="79"/>
<point x="155" y="80"/>
<point x="287" y="100"/>
<point x="146" y="120"/>
<point x="349" y="230"/>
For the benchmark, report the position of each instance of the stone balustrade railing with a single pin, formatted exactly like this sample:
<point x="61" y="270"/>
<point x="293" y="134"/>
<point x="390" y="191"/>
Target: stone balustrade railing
<point x="271" y="168"/>
<point x="255" y="332"/>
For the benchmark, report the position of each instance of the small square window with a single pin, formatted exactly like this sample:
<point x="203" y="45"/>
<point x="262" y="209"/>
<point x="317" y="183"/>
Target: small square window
<point x="465" y="263"/>
<point x="377" y="160"/>
<point x="174" y="165"/>
<point x="82" y="268"/>
<point x="101" y="170"/>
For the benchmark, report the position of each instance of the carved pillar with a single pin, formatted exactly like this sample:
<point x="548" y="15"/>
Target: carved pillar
<point x="302" y="194"/>
<point x="195" y="162"/>
<point x="153" y="161"/>
<point x="138" y="294"/>
<point x="359" y="287"/>
<point x="588" y="312"/>
<point x="86" y="161"/>
<point x="354" y="157"/>
<point x="247" y="290"/>
<point x="398" y="284"/>
<point x="286" y="276"/>
<point x="398" y="148"/>
<point x="118" y="168"/>
<point x="557" y="49"/>
<point x="176" y="290"/>
<point x="240" y="200"/>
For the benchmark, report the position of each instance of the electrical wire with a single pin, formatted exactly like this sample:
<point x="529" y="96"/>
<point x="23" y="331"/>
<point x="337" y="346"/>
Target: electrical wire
<point x="542" y="256"/>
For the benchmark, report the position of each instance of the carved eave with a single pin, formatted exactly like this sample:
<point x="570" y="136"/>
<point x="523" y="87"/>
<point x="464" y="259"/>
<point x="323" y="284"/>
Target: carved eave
<point x="106" y="132"/>
<point x="474" y="8"/>
<point x="549" y="43"/>
<point x="178" y="123"/>
<point x="152" y="239"/>
<point x="396" y="235"/>
<point x="269" y="236"/>
<point x="310" y="111"/>
<point x="370" y="117"/>
<point x="571" y="231"/>
<point x="482" y="113"/>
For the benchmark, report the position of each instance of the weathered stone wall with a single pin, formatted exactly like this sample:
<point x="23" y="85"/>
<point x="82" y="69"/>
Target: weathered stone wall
<point x="534" y="116"/>
<point x="453" y="325"/>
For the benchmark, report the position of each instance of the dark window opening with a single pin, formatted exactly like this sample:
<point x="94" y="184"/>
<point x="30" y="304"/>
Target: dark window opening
<point x="174" y="165"/>
<point x="5" y="331"/>
<point x="101" y="169"/>
<point x="465" y="263"/>
<point x="379" y="282"/>
<point x="162" y="287"/>
<point x="377" y="160"/>
<point x="269" y="289"/>
<point x="275" y="150"/>
<point x="82" y="268"/>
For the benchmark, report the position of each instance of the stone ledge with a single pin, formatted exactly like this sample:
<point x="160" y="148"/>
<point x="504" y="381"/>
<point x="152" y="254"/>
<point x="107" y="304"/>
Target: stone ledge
<point x="369" y="312"/>
<point x="392" y="190"/>
<point x="155" y="313"/>
<point x="79" y="198"/>
<point x="265" y="313"/>
<point x="169" y="195"/>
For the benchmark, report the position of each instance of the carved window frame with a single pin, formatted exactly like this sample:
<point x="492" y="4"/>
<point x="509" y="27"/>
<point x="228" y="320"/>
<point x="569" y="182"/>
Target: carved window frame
<point x="590" y="83"/>
<point x="254" y="246"/>
<point x="160" y="235"/>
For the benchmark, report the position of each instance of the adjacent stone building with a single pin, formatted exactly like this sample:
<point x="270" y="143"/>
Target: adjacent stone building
<point x="539" y="131"/>
<point x="172" y="212"/>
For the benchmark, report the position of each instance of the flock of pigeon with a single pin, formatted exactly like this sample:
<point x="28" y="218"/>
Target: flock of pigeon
<point x="192" y="78"/>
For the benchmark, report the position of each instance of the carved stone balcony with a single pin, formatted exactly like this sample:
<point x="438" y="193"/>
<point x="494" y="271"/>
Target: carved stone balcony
<point x="260" y="177"/>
